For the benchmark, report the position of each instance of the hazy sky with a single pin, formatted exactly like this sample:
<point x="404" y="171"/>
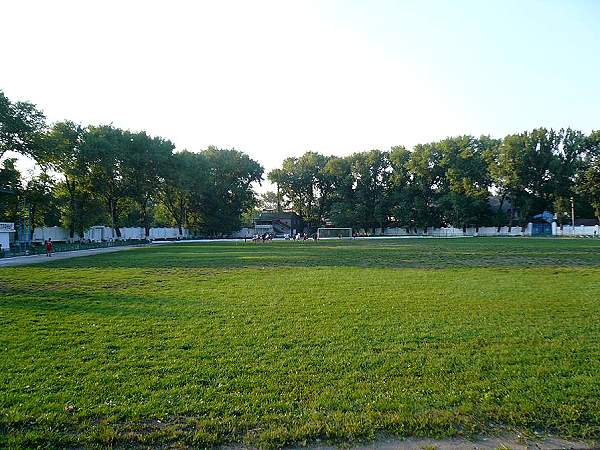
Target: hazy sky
<point x="277" y="78"/>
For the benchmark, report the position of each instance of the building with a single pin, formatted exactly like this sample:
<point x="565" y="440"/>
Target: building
<point x="278" y="223"/>
<point x="7" y="231"/>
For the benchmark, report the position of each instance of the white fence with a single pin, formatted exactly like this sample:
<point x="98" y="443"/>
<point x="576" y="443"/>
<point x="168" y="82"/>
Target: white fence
<point x="593" y="231"/>
<point x="57" y="234"/>
<point x="581" y="230"/>
<point x="243" y="233"/>
<point x="453" y="232"/>
<point x="102" y="233"/>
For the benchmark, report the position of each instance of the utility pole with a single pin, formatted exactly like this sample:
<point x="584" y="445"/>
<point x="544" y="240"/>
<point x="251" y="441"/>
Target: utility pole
<point x="572" y="217"/>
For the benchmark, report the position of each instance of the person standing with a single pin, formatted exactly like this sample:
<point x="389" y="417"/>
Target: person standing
<point x="49" y="247"/>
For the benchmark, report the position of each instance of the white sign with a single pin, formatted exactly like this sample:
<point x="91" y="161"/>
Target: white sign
<point x="7" y="227"/>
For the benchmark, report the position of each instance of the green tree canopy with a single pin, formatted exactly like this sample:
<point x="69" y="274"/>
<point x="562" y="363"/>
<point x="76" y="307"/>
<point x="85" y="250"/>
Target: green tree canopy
<point x="20" y="126"/>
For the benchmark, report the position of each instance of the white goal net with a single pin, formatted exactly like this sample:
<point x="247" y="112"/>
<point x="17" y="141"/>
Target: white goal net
<point x="334" y="233"/>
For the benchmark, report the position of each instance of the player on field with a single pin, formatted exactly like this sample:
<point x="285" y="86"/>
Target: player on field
<point x="49" y="247"/>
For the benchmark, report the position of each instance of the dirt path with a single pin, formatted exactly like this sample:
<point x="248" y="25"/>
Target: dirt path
<point x="504" y="442"/>
<point x="501" y="442"/>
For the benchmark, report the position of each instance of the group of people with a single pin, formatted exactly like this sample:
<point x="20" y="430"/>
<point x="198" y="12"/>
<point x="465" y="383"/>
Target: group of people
<point x="300" y="237"/>
<point x="265" y="237"/>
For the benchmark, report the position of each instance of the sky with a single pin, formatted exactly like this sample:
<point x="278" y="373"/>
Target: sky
<point x="277" y="78"/>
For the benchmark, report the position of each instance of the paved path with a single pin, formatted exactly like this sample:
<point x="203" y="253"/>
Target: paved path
<point x="40" y="259"/>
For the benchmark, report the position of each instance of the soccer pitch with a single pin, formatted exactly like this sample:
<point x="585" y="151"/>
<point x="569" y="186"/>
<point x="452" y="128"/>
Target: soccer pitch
<point x="287" y="343"/>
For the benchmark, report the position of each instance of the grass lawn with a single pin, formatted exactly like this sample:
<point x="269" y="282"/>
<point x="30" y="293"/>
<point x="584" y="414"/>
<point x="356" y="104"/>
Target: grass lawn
<point x="287" y="343"/>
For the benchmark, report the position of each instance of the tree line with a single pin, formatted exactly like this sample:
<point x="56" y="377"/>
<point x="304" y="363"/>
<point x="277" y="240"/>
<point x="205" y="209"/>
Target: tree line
<point x="459" y="181"/>
<point x="105" y="175"/>
<point x="102" y="174"/>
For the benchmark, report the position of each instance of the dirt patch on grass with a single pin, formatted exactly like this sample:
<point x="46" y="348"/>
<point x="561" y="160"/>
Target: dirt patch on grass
<point x="507" y="441"/>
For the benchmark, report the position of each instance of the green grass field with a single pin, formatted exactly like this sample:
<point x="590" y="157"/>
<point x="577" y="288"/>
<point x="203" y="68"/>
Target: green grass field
<point x="289" y="343"/>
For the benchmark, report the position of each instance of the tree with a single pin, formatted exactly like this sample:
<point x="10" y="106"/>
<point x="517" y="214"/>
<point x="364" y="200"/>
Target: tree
<point x="588" y="179"/>
<point x="589" y="185"/>
<point x="542" y="151"/>
<point x="509" y="172"/>
<point x="565" y="166"/>
<point x="228" y="190"/>
<point x="338" y="172"/>
<point x="305" y="185"/>
<point x="399" y="194"/>
<point x="64" y="154"/>
<point x="426" y="177"/>
<point x="269" y="200"/>
<point x="562" y="209"/>
<point x="184" y="177"/>
<point x="143" y="169"/>
<point x="39" y="193"/>
<point x="370" y="173"/>
<point x="10" y="189"/>
<point x="464" y="187"/>
<point x="20" y="126"/>
<point x="104" y="152"/>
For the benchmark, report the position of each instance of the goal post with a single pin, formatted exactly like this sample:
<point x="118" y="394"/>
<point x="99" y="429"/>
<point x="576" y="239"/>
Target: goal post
<point x="334" y="233"/>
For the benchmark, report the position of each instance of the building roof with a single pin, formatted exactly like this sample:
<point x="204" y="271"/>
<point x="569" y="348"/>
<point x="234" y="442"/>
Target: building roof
<point x="273" y="215"/>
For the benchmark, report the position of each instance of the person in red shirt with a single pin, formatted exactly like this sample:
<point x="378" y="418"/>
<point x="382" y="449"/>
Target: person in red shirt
<point x="49" y="247"/>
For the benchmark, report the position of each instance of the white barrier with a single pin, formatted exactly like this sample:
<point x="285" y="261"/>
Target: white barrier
<point x="454" y="232"/>
<point x="581" y="230"/>
<point x="57" y="234"/>
<point x="243" y="233"/>
<point x="102" y="233"/>
<point x="162" y="233"/>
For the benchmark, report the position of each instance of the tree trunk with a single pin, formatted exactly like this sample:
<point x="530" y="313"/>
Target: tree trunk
<point x="114" y="215"/>
<point x="144" y="206"/>
<point x="501" y="204"/>
<point x="278" y="199"/>
<point x="112" y="208"/>
<point x="71" y="189"/>
<point x="32" y="218"/>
